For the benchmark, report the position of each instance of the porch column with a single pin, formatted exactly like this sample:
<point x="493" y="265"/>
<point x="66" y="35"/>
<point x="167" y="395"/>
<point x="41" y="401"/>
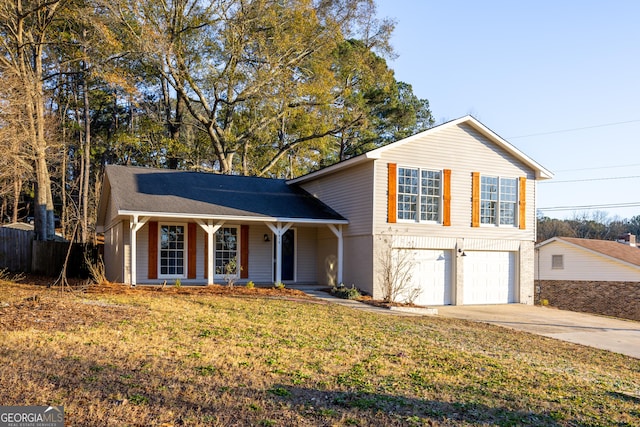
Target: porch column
<point x="210" y="228"/>
<point x="279" y="230"/>
<point x="338" y="232"/>
<point x="134" y="225"/>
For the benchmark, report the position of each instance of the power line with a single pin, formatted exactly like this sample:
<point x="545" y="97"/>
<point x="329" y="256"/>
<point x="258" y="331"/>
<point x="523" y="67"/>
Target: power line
<point x="588" y="207"/>
<point x="597" y="168"/>
<point x="590" y="179"/>
<point x="575" y="129"/>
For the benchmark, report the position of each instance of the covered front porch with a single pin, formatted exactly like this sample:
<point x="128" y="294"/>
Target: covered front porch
<point x="203" y="251"/>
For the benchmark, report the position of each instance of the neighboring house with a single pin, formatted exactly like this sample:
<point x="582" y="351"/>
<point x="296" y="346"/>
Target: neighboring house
<point x="595" y="276"/>
<point x="573" y="259"/>
<point x="457" y="199"/>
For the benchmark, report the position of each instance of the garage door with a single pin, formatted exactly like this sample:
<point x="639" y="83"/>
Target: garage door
<point x="489" y="277"/>
<point x="431" y="275"/>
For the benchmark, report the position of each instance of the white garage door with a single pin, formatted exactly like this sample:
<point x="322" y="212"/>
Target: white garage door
<point x="431" y="275"/>
<point x="489" y="277"/>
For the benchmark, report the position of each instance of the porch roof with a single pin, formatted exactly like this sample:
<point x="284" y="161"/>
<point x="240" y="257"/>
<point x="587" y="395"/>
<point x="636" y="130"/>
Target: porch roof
<point x="185" y="194"/>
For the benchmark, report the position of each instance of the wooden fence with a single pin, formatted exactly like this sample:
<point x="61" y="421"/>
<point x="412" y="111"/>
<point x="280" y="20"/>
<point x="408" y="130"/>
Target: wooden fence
<point x="16" y="249"/>
<point x="19" y="252"/>
<point x="49" y="256"/>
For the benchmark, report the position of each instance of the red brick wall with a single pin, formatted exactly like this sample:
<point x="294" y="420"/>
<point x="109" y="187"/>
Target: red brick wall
<point x="617" y="299"/>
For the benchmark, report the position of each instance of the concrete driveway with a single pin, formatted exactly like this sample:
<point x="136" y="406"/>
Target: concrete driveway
<point x="606" y="333"/>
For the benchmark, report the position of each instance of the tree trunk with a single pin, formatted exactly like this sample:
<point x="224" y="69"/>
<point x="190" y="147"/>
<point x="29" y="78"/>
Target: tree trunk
<point x="87" y="155"/>
<point x="17" y="185"/>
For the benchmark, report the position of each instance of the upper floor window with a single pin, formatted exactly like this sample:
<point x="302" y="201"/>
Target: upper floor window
<point x="498" y="200"/>
<point x="419" y="194"/>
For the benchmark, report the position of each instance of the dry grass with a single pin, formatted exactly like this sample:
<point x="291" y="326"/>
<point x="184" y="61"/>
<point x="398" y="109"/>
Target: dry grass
<point x="117" y="357"/>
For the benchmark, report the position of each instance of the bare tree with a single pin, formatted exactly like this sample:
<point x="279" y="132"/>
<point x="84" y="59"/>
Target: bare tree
<point x="15" y="166"/>
<point x="24" y="33"/>
<point x="395" y="267"/>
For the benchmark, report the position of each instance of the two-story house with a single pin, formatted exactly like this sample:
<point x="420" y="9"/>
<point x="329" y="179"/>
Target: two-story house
<point x="456" y="203"/>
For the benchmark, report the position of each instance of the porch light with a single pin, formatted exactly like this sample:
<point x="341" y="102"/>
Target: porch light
<point x="266" y="238"/>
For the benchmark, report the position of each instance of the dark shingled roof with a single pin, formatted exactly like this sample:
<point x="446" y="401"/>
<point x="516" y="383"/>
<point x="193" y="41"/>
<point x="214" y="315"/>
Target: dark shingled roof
<point x="198" y="193"/>
<point x="613" y="249"/>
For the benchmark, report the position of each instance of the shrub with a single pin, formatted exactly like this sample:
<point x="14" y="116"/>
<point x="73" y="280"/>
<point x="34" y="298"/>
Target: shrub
<point x="342" y="291"/>
<point x="278" y="285"/>
<point x="250" y="284"/>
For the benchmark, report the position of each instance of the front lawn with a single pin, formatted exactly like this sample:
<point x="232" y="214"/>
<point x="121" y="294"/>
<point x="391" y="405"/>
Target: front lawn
<point x="170" y="358"/>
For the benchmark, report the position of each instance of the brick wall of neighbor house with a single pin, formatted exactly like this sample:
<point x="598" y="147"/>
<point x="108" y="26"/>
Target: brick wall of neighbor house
<point x="618" y="299"/>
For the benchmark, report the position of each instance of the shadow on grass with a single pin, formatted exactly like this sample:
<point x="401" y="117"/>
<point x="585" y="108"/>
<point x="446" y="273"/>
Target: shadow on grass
<point x="153" y="392"/>
<point x="412" y="411"/>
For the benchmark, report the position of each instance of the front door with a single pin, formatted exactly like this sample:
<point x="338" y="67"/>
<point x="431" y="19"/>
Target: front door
<point x="288" y="256"/>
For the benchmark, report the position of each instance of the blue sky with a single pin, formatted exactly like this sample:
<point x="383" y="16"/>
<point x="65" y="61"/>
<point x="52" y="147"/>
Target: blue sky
<point x="560" y="80"/>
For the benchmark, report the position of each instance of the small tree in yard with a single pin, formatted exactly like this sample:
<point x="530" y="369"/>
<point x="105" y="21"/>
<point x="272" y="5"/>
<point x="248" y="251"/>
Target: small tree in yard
<point x="395" y="267"/>
<point x="230" y="271"/>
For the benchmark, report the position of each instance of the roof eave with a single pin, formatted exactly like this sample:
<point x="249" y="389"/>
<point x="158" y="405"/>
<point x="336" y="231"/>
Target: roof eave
<point x="237" y="218"/>
<point x="541" y="173"/>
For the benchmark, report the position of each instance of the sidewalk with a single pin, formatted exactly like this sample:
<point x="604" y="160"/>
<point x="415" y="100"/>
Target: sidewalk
<point x="323" y="294"/>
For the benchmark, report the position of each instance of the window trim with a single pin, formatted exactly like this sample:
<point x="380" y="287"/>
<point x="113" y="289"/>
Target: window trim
<point x="497" y="221"/>
<point x="418" y="212"/>
<point x="185" y="251"/>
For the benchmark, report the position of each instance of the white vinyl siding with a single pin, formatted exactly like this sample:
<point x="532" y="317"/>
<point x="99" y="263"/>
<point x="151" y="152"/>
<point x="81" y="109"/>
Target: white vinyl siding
<point x="114" y="261"/>
<point x="260" y="255"/>
<point x="305" y="258"/>
<point x="350" y="193"/>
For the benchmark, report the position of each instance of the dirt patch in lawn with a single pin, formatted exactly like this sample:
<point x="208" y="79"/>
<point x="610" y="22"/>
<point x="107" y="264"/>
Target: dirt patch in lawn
<point x="41" y="308"/>
<point x="36" y="303"/>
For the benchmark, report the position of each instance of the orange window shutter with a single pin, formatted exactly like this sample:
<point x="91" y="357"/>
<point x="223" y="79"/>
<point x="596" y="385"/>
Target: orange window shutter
<point x="153" y="250"/>
<point x="523" y="203"/>
<point x="392" y="203"/>
<point x="192" y="233"/>
<point x="475" y="199"/>
<point x="446" y="208"/>
<point x="244" y="251"/>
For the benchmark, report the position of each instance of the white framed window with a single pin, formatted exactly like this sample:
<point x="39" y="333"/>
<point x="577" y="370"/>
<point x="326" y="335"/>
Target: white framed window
<point x="227" y="251"/>
<point x="557" y="262"/>
<point x="172" y="250"/>
<point x="419" y="194"/>
<point x="430" y="193"/>
<point x="498" y="200"/>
